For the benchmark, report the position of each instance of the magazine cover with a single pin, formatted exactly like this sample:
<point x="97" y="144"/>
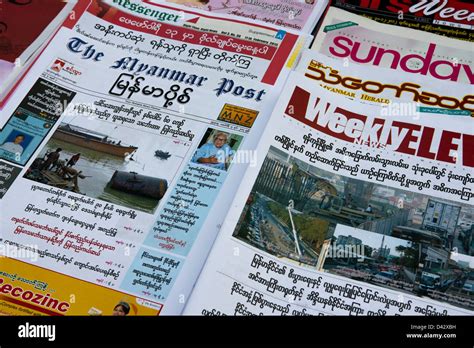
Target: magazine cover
<point x="355" y="39"/>
<point x="448" y="18"/>
<point x="398" y="93"/>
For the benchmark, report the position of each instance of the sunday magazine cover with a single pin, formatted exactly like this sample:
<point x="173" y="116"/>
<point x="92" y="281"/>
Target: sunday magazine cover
<point x="356" y="39"/>
<point x="413" y="93"/>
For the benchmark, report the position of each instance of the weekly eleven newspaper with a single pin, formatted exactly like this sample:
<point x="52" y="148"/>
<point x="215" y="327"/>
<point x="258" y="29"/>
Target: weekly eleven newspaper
<point x="352" y="209"/>
<point x="361" y="201"/>
<point x="115" y="147"/>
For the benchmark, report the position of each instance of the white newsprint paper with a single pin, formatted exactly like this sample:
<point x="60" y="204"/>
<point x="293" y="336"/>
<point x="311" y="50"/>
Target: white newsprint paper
<point x="349" y="211"/>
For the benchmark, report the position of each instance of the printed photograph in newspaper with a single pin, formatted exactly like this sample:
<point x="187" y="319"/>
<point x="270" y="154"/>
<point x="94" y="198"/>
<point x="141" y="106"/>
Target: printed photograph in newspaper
<point x="402" y="265"/>
<point x="217" y="149"/>
<point x="112" y="162"/>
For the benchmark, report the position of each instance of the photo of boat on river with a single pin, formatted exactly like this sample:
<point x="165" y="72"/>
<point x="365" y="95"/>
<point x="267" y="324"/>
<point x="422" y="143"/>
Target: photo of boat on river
<point x="92" y="140"/>
<point x="108" y="163"/>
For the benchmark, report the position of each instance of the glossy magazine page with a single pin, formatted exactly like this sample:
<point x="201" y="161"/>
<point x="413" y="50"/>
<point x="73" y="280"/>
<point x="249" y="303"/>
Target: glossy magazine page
<point x="448" y="18"/>
<point x="355" y="39"/>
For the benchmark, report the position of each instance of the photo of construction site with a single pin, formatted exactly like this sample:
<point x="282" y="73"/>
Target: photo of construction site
<point x="113" y="163"/>
<point x="401" y="265"/>
<point x="294" y="208"/>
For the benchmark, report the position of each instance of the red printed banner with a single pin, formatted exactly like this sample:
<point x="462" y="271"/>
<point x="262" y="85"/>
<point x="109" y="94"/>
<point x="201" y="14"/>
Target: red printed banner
<point x="404" y="137"/>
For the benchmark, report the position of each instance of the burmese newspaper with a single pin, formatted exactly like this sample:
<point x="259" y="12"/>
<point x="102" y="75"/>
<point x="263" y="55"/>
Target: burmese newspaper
<point x="126" y="130"/>
<point x="353" y="210"/>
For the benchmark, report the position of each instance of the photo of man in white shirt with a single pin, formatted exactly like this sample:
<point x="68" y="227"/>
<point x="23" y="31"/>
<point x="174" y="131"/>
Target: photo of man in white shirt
<point x="14" y="146"/>
<point x="217" y="154"/>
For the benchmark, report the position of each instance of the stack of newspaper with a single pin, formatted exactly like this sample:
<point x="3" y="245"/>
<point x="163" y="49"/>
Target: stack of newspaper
<point x="20" y="44"/>
<point x="214" y="158"/>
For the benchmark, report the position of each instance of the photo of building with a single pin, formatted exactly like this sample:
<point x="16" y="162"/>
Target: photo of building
<point x="405" y="240"/>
